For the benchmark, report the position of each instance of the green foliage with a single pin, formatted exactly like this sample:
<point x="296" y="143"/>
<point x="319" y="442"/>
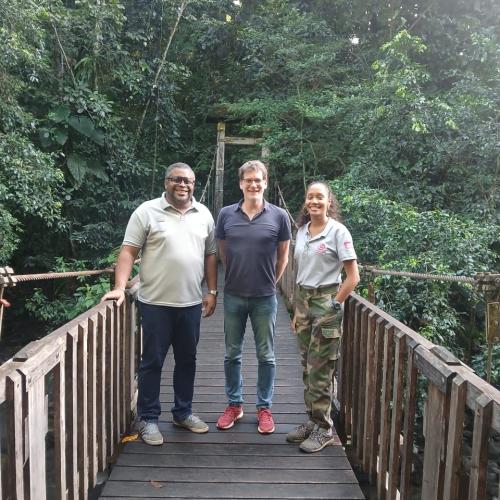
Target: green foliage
<point x="56" y="312"/>
<point x="65" y="299"/>
<point x="9" y="236"/>
<point x="399" y="105"/>
<point x="479" y="364"/>
<point x="29" y="188"/>
<point x="396" y="236"/>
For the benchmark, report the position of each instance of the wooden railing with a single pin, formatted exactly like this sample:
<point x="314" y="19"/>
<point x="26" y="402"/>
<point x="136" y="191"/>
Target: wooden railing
<point x="398" y="393"/>
<point x="65" y="402"/>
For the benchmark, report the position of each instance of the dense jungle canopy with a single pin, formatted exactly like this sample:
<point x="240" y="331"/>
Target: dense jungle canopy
<point x="396" y="103"/>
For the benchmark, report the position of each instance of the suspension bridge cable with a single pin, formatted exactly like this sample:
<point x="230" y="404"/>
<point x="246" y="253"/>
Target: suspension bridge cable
<point x="207" y="184"/>
<point x="69" y="274"/>
<point x="280" y="194"/>
<point x="421" y="276"/>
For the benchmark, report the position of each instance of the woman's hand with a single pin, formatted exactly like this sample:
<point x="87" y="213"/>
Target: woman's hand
<point x="294" y="321"/>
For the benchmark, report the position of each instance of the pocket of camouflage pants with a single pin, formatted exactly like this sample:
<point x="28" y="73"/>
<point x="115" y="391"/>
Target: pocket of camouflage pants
<point x="332" y="334"/>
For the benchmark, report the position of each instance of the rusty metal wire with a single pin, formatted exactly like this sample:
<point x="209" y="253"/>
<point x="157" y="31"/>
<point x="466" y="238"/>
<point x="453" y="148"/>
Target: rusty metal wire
<point x="421" y="276"/>
<point x="52" y="276"/>
<point x="387" y="272"/>
<point x="207" y="184"/>
<point x="280" y="194"/>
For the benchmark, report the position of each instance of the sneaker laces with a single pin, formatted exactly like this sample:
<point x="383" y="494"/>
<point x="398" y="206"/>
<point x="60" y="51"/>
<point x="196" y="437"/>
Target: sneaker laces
<point x="319" y="436"/>
<point x="148" y="427"/>
<point x="265" y="415"/>
<point x="302" y="429"/>
<point x="232" y="411"/>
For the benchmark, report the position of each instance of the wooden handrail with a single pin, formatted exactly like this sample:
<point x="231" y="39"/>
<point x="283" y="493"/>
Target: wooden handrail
<point x="76" y="387"/>
<point x="79" y="381"/>
<point x="386" y="372"/>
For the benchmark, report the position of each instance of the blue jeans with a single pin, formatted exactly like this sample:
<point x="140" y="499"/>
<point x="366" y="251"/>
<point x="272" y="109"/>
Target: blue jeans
<point x="262" y="312"/>
<point x="162" y="327"/>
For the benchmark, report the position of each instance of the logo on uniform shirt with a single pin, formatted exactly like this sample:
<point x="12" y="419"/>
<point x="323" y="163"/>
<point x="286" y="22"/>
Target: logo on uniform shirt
<point x="348" y="245"/>
<point x="320" y="249"/>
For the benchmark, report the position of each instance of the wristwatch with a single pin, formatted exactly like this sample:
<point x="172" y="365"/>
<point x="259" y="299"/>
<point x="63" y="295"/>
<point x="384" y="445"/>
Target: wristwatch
<point x="213" y="292"/>
<point x="337" y="306"/>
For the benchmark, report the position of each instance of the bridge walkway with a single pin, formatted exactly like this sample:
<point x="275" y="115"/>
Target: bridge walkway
<point x="238" y="463"/>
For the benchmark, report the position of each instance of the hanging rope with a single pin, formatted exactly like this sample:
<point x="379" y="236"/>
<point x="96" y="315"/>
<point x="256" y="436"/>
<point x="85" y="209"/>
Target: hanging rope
<point x="280" y="194"/>
<point x="155" y="148"/>
<point x="158" y="71"/>
<point x="207" y="184"/>
<point x="421" y="276"/>
<point x="52" y="276"/>
<point x="387" y="272"/>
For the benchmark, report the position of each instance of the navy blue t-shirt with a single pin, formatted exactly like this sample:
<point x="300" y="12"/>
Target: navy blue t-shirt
<point x="251" y="248"/>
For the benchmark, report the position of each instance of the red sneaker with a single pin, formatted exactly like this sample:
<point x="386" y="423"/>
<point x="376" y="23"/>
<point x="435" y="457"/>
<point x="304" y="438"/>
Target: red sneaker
<point x="266" y="422"/>
<point x="231" y="415"/>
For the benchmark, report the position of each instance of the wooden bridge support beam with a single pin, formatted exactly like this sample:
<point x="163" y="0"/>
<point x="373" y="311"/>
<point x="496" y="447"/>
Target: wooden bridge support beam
<point x="222" y="140"/>
<point x="219" y="168"/>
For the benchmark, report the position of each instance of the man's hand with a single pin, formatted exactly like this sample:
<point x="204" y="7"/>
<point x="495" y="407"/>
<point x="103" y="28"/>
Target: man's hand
<point x="124" y="264"/>
<point x="118" y="295"/>
<point x="209" y="303"/>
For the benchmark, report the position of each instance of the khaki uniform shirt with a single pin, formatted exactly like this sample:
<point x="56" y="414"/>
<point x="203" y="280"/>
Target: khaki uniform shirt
<point x="320" y="258"/>
<point x="173" y="249"/>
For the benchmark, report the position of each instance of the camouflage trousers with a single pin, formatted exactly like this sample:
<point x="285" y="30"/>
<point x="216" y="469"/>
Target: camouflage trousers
<point x="319" y="328"/>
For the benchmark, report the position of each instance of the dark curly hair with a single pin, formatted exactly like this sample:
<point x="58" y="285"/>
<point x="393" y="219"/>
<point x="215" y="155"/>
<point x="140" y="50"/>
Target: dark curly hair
<point x="333" y="210"/>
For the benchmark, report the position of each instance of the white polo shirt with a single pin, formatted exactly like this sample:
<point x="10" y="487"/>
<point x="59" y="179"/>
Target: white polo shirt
<point x="173" y="249"/>
<point x="320" y="259"/>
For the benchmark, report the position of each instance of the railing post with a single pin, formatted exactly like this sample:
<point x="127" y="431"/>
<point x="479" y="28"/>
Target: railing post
<point x="489" y="284"/>
<point x="409" y="422"/>
<point x="14" y="477"/>
<point x="455" y="437"/>
<point x="219" y="168"/>
<point x="72" y="478"/>
<point x="479" y="464"/>
<point x="385" y="410"/>
<point x="82" y="413"/>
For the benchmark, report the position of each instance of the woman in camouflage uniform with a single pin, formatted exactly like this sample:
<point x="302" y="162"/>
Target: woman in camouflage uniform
<point x="323" y="248"/>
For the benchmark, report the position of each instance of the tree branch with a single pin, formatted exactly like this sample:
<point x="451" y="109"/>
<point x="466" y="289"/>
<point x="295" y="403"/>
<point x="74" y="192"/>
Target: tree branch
<point x="158" y="71"/>
<point x="63" y="52"/>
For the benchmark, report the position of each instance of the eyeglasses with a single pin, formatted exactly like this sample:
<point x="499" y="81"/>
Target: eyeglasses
<point x="248" y="182"/>
<point x="181" y="180"/>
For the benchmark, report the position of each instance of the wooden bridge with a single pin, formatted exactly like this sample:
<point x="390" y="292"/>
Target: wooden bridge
<point x="237" y="463"/>
<point x="67" y="402"/>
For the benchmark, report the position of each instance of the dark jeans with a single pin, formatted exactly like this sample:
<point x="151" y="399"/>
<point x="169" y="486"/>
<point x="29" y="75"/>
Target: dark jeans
<point x="163" y="326"/>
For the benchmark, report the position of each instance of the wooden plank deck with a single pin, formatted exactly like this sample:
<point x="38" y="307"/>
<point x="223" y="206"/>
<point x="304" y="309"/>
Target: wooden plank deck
<point x="238" y="463"/>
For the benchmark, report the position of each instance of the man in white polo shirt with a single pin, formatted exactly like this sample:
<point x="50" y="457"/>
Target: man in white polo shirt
<point x="175" y="236"/>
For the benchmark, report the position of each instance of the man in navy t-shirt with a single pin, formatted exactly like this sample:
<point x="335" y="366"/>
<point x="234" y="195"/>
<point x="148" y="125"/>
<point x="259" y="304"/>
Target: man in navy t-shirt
<point x="254" y="239"/>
